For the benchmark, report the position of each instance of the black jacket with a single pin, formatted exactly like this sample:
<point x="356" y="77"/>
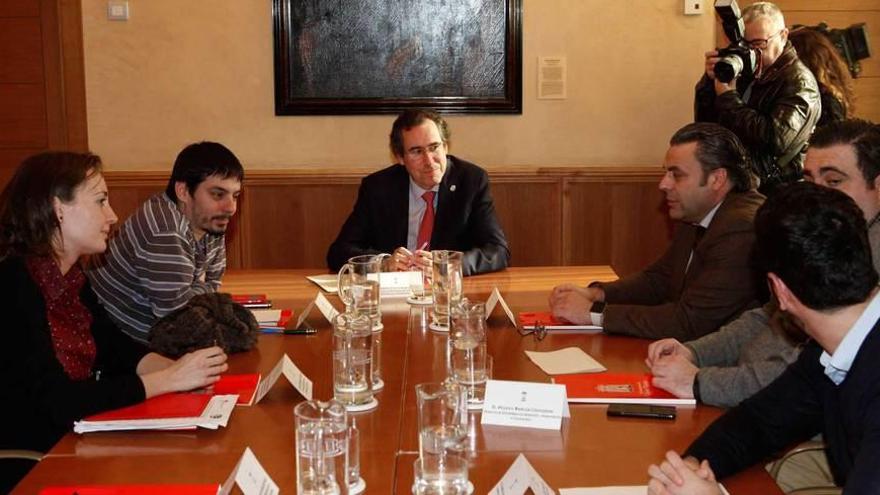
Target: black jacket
<point x="775" y="122"/>
<point x="795" y="407"/>
<point x="40" y="402"/>
<point x="465" y="219"/>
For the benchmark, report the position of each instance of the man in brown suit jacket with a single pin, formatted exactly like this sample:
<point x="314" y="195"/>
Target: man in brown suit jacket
<point x="704" y="279"/>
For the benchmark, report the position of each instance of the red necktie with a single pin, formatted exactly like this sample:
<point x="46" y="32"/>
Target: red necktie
<point x="423" y="241"/>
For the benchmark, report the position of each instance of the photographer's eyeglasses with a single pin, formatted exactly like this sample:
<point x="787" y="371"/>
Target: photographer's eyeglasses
<point x="419" y="151"/>
<point x="761" y="44"/>
<point x="539" y="331"/>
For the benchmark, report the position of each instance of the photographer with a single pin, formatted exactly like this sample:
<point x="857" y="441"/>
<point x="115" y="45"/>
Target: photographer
<point x="773" y="108"/>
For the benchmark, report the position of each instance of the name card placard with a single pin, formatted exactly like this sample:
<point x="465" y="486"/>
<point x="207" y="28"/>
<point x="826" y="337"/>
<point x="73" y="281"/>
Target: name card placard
<point x="525" y="404"/>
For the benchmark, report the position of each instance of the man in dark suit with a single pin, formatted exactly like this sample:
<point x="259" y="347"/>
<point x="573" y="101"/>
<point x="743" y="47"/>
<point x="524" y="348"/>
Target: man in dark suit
<point x="429" y="200"/>
<point x="704" y="279"/>
<point x="812" y="243"/>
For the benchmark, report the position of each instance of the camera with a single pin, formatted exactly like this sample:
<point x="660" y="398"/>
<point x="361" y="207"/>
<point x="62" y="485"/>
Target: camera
<point x="738" y="59"/>
<point x="851" y="43"/>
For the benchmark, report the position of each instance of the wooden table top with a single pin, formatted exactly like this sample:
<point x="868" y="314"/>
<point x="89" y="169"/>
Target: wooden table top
<point x="590" y="450"/>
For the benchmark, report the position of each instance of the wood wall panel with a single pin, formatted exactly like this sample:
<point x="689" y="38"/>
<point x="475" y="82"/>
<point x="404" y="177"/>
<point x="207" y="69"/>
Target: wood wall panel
<point x="287" y="219"/>
<point x="22" y="61"/>
<point x="19" y="8"/>
<point x="22" y="116"/>
<point x="292" y="225"/>
<point x="527" y="213"/>
<point x="868" y="99"/>
<point x="622" y="224"/>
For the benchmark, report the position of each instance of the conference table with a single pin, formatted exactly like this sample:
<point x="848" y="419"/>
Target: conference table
<point x="591" y="449"/>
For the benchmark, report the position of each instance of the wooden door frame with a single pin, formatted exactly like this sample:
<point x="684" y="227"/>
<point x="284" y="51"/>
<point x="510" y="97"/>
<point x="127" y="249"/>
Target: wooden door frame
<point x="67" y="124"/>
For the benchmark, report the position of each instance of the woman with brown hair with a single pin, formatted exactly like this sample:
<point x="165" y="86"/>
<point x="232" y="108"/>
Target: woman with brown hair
<point x="62" y="359"/>
<point x="835" y="84"/>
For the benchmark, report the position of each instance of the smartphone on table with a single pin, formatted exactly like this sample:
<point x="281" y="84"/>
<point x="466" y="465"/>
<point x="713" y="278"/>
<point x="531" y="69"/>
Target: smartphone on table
<point x="641" y="411"/>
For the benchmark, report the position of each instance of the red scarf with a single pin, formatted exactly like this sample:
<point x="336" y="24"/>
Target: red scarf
<point x="70" y="321"/>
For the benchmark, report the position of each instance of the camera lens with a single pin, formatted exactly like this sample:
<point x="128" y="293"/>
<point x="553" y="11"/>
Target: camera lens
<point x="728" y="68"/>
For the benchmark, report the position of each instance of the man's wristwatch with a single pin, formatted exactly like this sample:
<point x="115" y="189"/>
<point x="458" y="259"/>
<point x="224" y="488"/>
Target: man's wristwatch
<point x="597" y="313"/>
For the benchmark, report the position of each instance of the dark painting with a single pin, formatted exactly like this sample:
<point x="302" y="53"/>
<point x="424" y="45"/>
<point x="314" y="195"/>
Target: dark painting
<point x="381" y="56"/>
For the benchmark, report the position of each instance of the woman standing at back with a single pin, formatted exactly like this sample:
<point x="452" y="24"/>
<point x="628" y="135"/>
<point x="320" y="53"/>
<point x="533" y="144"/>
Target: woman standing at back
<point x="835" y="84"/>
<point x="61" y="358"/>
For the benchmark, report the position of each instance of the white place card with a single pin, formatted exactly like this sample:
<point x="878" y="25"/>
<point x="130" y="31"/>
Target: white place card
<point x="296" y="378"/>
<point x="520" y="477"/>
<point x="398" y="284"/>
<point x="525" y="404"/>
<point x="494" y="299"/>
<point x="565" y="361"/>
<point x="250" y="477"/>
<point x="304" y="314"/>
<point x="325" y="307"/>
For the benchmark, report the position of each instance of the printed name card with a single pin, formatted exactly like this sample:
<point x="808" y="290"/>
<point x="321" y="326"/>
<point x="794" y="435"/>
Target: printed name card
<point x="398" y="284"/>
<point x="297" y="378"/>
<point x="494" y="299"/>
<point x="324" y="306"/>
<point x="520" y="477"/>
<point x="525" y="404"/>
<point x="250" y="477"/>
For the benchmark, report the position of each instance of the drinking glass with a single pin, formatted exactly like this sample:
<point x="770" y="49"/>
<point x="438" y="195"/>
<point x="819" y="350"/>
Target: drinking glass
<point x="443" y="419"/>
<point x="321" y="448"/>
<point x="468" y="350"/>
<point x="441" y="475"/>
<point x="446" y="285"/>
<point x="352" y="360"/>
<point x="358" y="282"/>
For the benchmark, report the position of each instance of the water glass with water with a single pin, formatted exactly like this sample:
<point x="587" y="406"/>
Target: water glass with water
<point x="446" y="285"/>
<point x="321" y="448"/>
<point x="441" y="475"/>
<point x="443" y="419"/>
<point x="352" y="359"/>
<point x="468" y="350"/>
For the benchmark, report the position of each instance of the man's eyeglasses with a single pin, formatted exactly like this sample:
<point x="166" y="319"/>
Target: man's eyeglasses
<point x="761" y="44"/>
<point x="539" y="331"/>
<point x="419" y="151"/>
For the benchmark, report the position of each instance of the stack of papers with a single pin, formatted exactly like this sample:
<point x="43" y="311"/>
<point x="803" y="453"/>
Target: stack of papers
<point x="327" y="283"/>
<point x="565" y="361"/>
<point x="164" y="412"/>
<point x="272" y="317"/>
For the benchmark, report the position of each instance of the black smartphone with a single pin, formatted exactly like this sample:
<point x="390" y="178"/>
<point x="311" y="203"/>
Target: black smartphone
<point x="641" y="411"/>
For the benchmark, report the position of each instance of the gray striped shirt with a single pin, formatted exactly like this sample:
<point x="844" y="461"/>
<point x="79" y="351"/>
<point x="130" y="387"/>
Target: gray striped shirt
<point x="154" y="265"/>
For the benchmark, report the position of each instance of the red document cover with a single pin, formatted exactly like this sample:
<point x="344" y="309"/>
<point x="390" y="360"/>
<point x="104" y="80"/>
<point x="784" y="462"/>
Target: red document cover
<point x="552" y="324"/>
<point x="160" y="407"/>
<point x="252" y="300"/>
<point x="132" y="490"/>
<point x="245" y="386"/>
<point x="616" y="388"/>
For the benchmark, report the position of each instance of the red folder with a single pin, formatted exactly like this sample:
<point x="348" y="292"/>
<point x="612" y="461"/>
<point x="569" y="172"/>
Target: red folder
<point x="245" y="386"/>
<point x="252" y="300"/>
<point x="545" y="318"/>
<point x="132" y="490"/>
<point x="186" y="405"/>
<point x="616" y="388"/>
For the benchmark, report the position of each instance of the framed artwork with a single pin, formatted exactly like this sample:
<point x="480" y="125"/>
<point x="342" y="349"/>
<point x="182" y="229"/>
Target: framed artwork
<point x="339" y="57"/>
